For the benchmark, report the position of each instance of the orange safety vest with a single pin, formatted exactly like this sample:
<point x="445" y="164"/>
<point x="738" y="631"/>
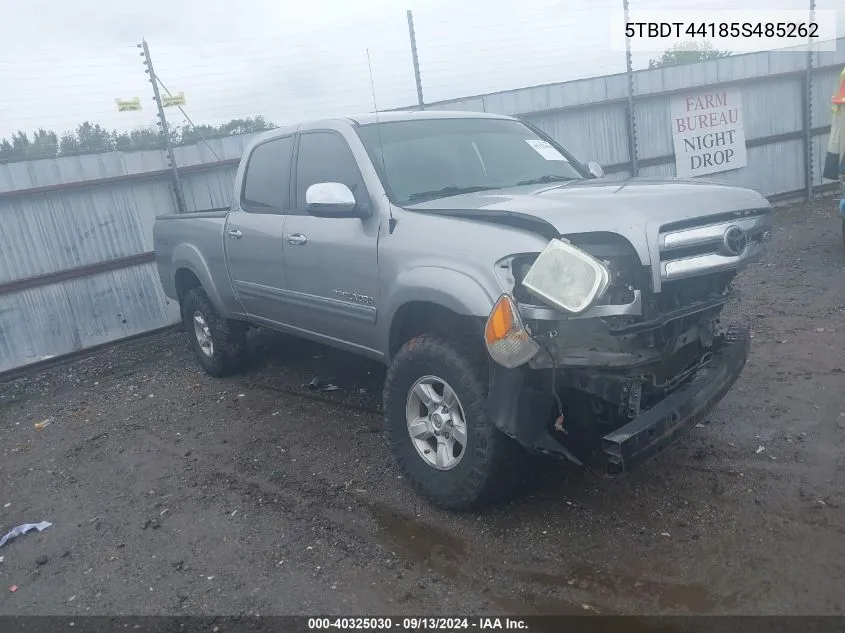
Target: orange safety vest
<point x="839" y="97"/>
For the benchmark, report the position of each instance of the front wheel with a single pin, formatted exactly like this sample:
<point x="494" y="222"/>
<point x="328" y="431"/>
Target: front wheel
<point x="435" y="406"/>
<point x="219" y="344"/>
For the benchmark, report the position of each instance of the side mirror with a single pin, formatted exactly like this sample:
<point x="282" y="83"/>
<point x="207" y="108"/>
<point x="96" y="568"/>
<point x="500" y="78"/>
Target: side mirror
<point x="332" y="200"/>
<point x="595" y="169"/>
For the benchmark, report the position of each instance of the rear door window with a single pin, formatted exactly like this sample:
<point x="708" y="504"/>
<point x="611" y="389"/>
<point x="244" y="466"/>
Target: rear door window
<point x="266" y="186"/>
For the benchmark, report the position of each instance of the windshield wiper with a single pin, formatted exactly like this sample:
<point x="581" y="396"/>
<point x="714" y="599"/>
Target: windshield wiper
<point x="544" y="179"/>
<point x="445" y="192"/>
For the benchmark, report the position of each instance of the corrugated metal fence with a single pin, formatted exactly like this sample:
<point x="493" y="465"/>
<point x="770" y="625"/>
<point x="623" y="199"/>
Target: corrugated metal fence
<point x="77" y="265"/>
<point x="76" y="261"/>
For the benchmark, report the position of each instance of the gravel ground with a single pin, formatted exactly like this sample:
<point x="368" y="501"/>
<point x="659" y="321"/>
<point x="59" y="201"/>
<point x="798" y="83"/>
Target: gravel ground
<point x="171" y="492"/>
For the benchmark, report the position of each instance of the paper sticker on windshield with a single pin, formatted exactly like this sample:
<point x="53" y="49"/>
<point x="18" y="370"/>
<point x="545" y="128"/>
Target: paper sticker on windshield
<point x="545" y="150"/>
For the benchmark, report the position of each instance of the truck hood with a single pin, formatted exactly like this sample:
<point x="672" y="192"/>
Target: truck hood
<point x="635" y="208"/>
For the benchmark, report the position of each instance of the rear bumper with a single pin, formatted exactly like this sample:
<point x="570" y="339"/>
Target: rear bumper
<point x="650" y="432"/>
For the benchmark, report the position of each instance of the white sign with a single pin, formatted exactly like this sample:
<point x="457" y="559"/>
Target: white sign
<point x="545" y="150"/>
<point x="168" y="101"/>
<point x="707" y="132"/>
<point x="128" y="105"/>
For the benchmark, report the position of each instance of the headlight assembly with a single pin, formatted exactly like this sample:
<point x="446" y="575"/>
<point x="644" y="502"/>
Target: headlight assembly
<point x="566" y="277"/>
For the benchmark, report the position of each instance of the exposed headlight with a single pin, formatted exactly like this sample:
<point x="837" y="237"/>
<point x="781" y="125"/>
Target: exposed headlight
<point x="567" y="277"/>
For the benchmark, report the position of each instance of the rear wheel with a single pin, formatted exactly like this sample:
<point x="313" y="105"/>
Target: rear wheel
<point x="219" y="344"/>
<point x="435" y="404"/>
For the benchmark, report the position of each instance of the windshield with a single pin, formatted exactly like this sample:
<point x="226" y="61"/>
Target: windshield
<point x="434" y="158"/>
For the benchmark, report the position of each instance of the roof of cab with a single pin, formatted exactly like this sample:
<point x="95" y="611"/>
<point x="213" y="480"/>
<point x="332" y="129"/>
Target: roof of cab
<point x="415" y="115"/>
<point x="372" y="117"/>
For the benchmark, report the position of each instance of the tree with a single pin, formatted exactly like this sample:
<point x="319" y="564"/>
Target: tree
<point x="45" y="144"/>
<point x="89" y="138"/>
<point x="93" y="138"/>
<point x="69" y="144"/>
<point x="687" y="53"/>
<point x="187" y="135"/>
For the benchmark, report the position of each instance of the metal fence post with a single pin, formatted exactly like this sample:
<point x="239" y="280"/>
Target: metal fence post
<point x="632" y="122"/>
<point x="177" y="182"/>
<point x="808" y="112"/>
<point x="416" y="59"/>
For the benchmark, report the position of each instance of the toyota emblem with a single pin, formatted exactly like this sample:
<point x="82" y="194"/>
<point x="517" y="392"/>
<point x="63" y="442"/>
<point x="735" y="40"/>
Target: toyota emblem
<point x="734" y="241"/>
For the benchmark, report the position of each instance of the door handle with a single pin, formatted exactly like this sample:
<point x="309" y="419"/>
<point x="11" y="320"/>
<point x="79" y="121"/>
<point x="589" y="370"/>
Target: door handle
<point x="297" y="239"/>
<point x="235" y="234"/>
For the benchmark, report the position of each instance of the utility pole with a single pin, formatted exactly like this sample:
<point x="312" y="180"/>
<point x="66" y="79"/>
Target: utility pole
<point x="808" y="111"/>
<point x="632" y="121"/>
<point x="177" y="182"/>
<point x="416" y="59"/>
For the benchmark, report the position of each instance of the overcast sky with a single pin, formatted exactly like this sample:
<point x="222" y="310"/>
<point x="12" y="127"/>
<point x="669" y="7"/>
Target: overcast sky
<point x="65" y="61"/>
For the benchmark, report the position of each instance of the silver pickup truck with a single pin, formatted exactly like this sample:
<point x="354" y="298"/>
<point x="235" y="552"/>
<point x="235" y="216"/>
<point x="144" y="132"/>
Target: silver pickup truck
<point x="523" y="304"/>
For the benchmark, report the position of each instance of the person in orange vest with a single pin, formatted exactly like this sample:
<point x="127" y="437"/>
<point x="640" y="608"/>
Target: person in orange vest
<point x="834" y="164"/>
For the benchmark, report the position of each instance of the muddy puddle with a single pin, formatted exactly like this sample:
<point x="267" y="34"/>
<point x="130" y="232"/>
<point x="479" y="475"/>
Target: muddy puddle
<point x="545" y="592"/>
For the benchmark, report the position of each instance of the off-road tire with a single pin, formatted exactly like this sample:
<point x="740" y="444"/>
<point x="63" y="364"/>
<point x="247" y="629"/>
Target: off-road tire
<point x="228" y="337"/>
<point x="491" y="465"/>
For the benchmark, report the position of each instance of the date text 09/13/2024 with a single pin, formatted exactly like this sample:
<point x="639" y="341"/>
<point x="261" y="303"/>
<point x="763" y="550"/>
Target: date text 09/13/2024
<point x="418" y="624"/>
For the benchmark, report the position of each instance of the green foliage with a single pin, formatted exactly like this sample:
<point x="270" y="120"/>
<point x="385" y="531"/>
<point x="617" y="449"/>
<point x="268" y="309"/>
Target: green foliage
<point x="687" y="53"/>
<point x="92" y="138"/>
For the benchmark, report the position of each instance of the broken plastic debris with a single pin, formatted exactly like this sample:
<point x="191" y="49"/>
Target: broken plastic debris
<point x="699" y="426"/>
<point x="13" y="588"/>
<point x="23" y="529"/>
<point x="41" y="425"/>
<point x="760" y="449"/>
<point x="665" y="534"/>
<point x="329" y="388"/>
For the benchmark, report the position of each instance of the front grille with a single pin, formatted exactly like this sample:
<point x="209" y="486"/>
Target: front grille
<point x="707" y="245"/>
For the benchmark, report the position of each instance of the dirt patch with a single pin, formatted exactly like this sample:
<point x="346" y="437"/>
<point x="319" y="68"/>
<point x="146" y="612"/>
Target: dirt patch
<point x="174" y="493"/>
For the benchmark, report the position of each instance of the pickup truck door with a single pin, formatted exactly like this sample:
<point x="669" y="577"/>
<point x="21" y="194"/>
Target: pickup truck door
<point x="331" y="264"/>
<point x="254" y="231"/>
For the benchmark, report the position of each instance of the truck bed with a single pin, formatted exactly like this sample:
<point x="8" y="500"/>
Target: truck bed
<point x="193" y="240"/>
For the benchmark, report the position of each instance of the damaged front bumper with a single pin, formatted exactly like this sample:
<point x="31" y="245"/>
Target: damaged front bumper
<point x="522" y="412"/>
<point x="654" y="429"/>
